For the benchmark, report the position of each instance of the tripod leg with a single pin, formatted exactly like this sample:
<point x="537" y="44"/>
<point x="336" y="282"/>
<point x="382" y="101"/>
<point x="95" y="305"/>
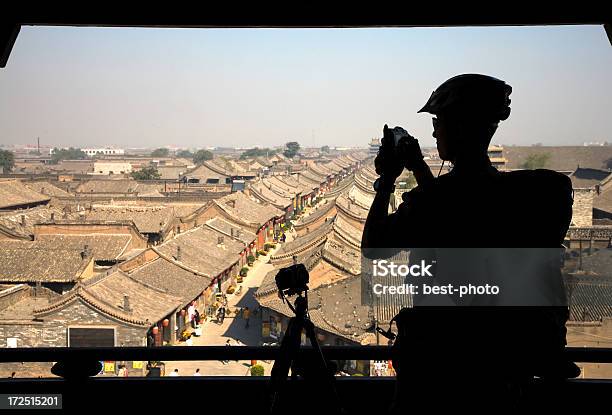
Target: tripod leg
<point x="289" y="348"/>
<point x="323" y="369"/>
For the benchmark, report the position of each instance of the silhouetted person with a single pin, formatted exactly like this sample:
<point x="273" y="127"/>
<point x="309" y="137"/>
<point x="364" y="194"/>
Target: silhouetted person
<point x="449" y="358"/>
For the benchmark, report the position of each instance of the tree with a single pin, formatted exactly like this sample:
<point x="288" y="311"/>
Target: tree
<point x="160" y="152"/>
<point x="67" y="154"/>
<point x="7" y="160"/>
<point x="257" y="370"/>
<point x="536" y="161"/>
<point x="185" y="154"/>
<point x="201" y="156"/>
<point x="147" y="173"/>
<point x="291" y="149"/>
<point x="325" y="149"/>
<point x="257" y="152"/>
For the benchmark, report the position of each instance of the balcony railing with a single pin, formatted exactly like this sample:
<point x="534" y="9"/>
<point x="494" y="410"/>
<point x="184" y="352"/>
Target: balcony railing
<point x="170" y="353"/>
<point x="245" y="394"/>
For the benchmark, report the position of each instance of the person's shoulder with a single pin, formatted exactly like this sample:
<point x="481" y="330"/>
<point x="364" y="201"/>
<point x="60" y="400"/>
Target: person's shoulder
<point x="538" y="174"/>
<point x="543" y="179"/>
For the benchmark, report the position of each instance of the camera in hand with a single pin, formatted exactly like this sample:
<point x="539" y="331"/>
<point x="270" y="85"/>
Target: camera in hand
<point x="292" y="280"/>
<point x="398" y="133"/>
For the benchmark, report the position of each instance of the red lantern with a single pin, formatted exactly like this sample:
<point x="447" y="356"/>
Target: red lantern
<point x="165" y="322"/>
<point x="155" y="330"/>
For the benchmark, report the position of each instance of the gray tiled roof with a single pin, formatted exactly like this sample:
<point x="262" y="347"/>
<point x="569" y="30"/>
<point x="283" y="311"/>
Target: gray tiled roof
<point x="346" y="206"/>
<point x="15" y="193"/>
<point x="231" y="229"/>
<point x="316" y="237"/>
<point x="320" y="210"/>
<point x="334" y="308"/>
<point x="590" y="297"/>
<point x="173" y="279"/>
<point x="262" y="190"/>
<point x="25" y="264"/>
<point x="148" y="219"/>
<point x="239" y="205"/>
<point x="145" y="302"/>
<point x="586" y="177"/>
<point x="201" y="252"/>
<point x="102" y="246"/>
<point x="106" y="292"/>
<point x="47" y="189"/>
<point x="562" y="158"/>
<point x="21" y="222"/>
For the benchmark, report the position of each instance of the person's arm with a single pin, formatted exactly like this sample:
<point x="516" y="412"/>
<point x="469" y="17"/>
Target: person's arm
<point x="380" y="226"/>
<point x="422" y="173"/>
<point x="378" y="223"/>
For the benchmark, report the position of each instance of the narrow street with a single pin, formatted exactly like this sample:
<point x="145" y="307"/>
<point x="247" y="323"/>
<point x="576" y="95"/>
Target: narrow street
<point x="233" y="328"/>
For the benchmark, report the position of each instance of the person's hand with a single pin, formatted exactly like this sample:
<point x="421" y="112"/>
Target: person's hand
<point x="387" y="161"/>
<point x="409" y="150"/>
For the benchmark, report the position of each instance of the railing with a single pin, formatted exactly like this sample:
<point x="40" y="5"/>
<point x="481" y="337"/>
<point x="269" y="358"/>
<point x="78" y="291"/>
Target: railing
<point x="173" y="353"/>
<point x="251" y="394"/>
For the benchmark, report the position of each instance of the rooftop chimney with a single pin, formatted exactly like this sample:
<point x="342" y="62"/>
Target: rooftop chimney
<point x="220" y="240"/>
<point x="232" y="232"/>
<point x="126" y="303"/>
<point x="178" y="253"/>
<point x="231" y="203"/>
<point x="22" y="220"/>
<point x="52" y="216"/>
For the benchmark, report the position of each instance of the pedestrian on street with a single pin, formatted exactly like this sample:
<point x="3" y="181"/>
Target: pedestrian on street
<point x="197" y="317"/>
<point x="191" y="314"/>
<point x="221" y="315"/>
<point x="174" y="373"/>
<point x="227" y="343"/>
<point x="246" y="314"/>
<point x="197" y="372"/>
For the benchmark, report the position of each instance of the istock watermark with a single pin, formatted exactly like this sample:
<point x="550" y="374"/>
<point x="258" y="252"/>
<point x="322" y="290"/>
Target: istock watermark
<point x="383" y="268"/>
<point x="463" y="277"/>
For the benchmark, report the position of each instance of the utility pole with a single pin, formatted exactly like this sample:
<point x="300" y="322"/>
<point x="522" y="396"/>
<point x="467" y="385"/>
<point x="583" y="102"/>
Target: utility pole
<point x="38" y="145"/>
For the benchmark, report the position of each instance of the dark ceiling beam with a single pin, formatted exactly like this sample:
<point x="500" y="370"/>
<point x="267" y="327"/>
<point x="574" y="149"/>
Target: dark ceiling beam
<point x="261" y="15"/>
<point x="354" y="16"/>
<point x="8" y="36"/>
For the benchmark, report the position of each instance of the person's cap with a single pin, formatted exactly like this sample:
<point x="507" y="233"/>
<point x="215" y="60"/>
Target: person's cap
<point x="474" y="95"/>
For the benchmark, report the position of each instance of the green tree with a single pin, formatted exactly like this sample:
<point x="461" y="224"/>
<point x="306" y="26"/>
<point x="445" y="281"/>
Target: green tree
<point x="67" y="154"/>
<point x="201" y="156"/>
<point x="536" y="161"/>
<point x="185" y="154"/>
<point x="325" y="149"/>
<point x="257" y="152"/>
<point x="147" y="173"/>
<point x="291" y="149"/>
<point x="257" y="370"/>
<point x="7" y="160"/>
<point x="160" y="152"/>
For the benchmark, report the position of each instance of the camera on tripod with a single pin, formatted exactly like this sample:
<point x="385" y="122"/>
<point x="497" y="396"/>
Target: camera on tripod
<point x="292" y="280"/>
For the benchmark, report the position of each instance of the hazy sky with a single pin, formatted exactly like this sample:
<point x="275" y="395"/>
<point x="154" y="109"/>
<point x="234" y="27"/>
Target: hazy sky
<point x="138" y="87"/>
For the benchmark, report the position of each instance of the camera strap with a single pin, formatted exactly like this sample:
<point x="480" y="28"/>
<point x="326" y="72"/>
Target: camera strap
<point x="388" y="333"/>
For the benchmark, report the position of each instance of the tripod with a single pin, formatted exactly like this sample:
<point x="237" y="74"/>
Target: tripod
<point x="311" y="370"/>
